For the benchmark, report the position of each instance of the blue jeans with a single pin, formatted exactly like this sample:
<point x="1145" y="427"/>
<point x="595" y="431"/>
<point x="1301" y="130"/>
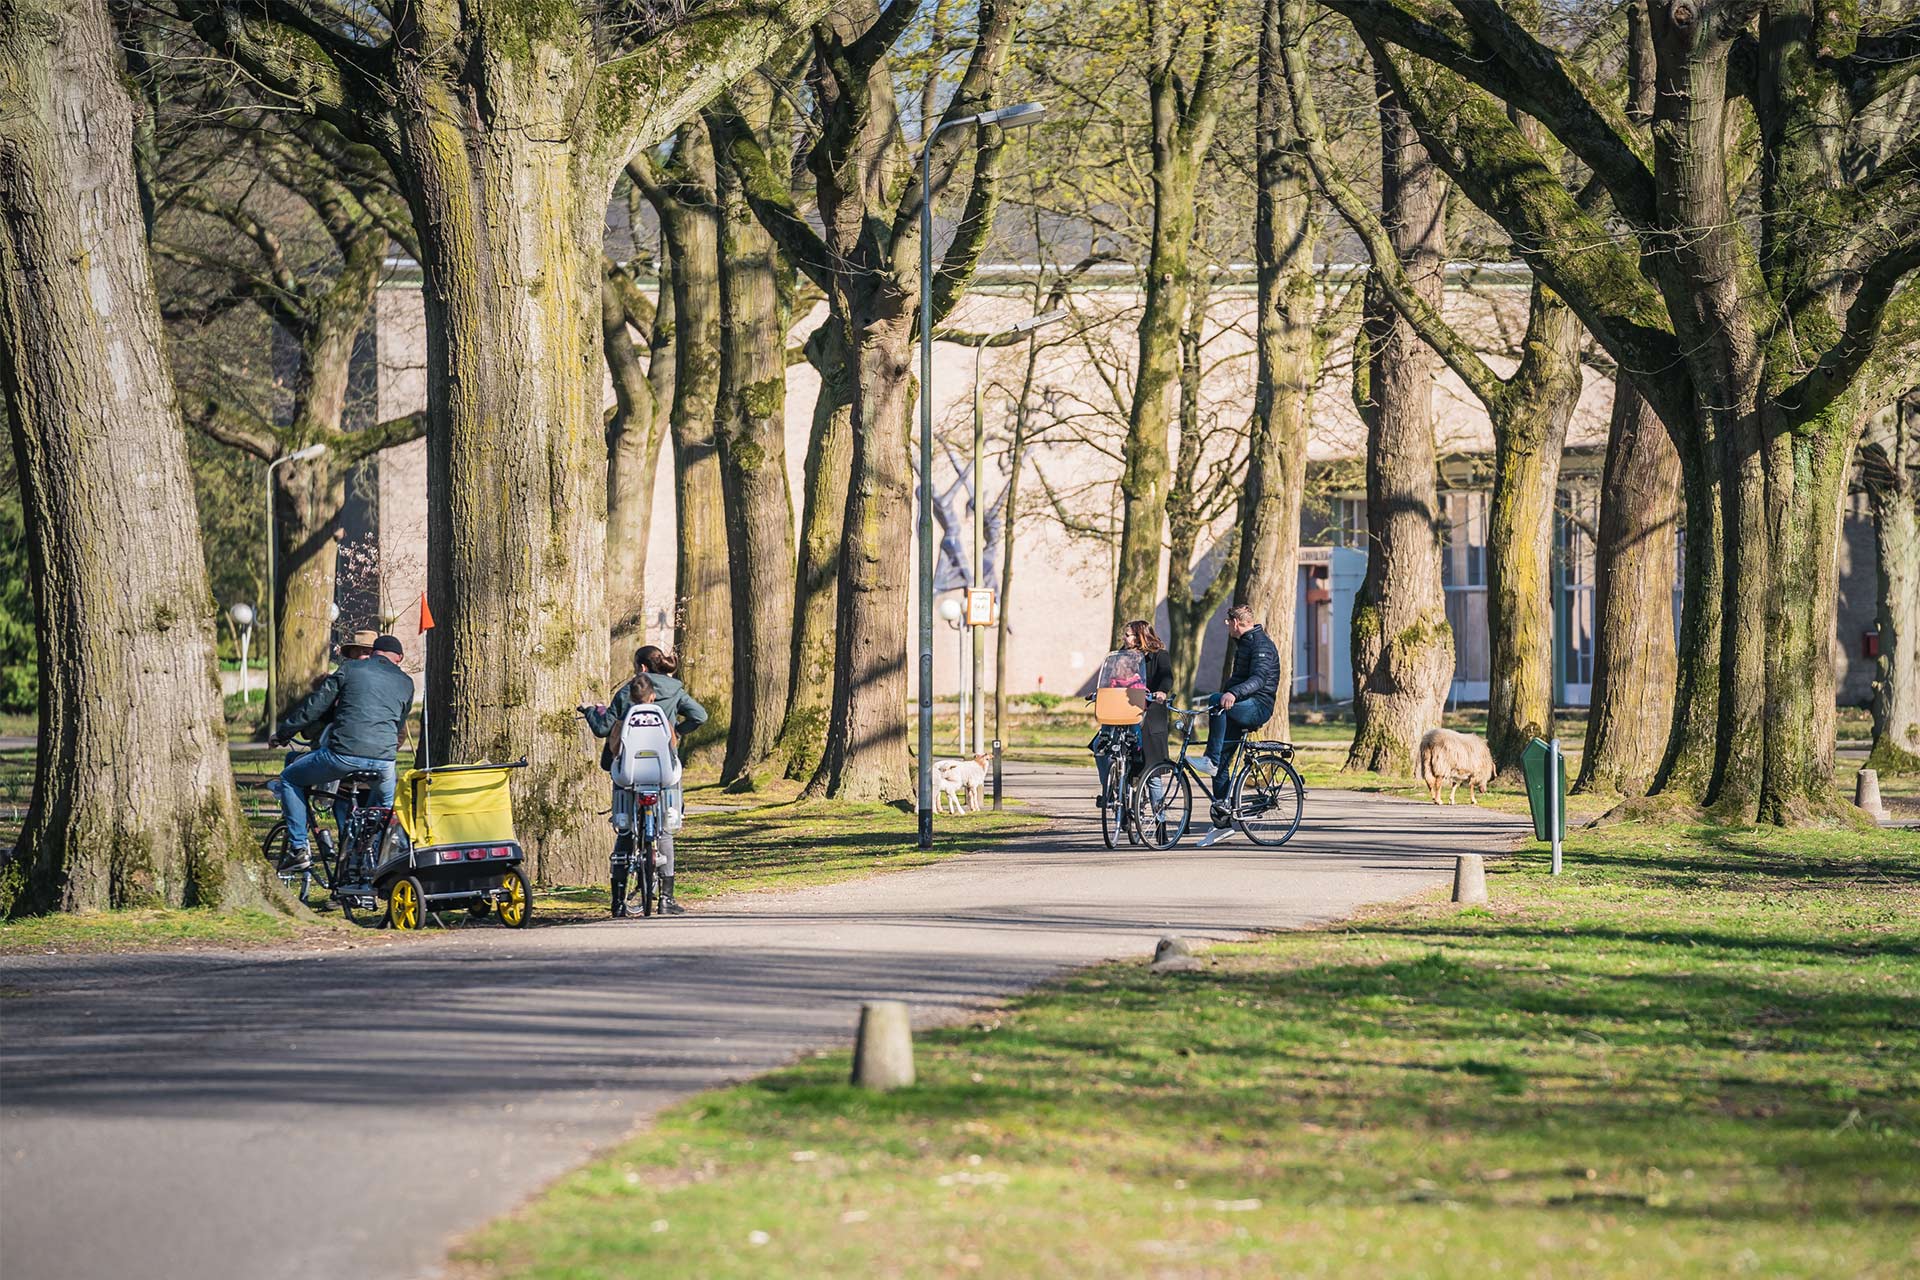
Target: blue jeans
<point x="1225" y="729"/>
<point x="317" y="768"/>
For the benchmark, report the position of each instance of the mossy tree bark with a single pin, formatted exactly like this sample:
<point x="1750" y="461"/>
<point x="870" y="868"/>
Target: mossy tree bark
<point x="1287" y="352"/>
<point x="635" y="430"/>
<point x="803" y="730"/>
<point x="1203" y="492"/>
<point x="1786" y="337"/>
<point x="1528" y="411"/>
<point x="685" y="193"/>
<point x="865" y="258"/>
<point x="133" y="800"/>
<point x="756" y="313"/>
<point x="1184" y="117"/>
<point x="1402" y="645"/>
<point x="506" y="125"/>
<point x="1631" y="710"/>
<point x="1890" y="463"/>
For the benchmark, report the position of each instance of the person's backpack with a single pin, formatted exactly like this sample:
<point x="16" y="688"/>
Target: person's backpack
<point x="644" y="758"/>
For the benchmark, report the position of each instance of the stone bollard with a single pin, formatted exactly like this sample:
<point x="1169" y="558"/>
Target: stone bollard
<point x="1173" y="955"/>
<point x="1866" y="793"/>
<point x="1469" y="879"/>
<point x="883" y="1048"/>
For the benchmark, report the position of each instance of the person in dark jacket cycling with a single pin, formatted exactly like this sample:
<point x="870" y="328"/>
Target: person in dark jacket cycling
<point x="1243" y="706"/>
<point x="362" y="707"/>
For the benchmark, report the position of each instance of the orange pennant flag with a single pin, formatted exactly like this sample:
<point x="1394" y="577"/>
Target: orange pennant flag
<point x="426" y="615"/>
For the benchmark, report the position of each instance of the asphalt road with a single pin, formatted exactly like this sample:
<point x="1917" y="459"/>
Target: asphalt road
<point x="348" y="1114"/>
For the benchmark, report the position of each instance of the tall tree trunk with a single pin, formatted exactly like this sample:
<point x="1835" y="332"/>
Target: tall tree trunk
<point x="1188" y="518"/>
<point x="1402" y="645"/>
<point x="1287" y="354"/>
<point x="309" y="495"/>
<point x="1631" y="711"/>
<point x="510" y="228"/>
<point x="125" y="618"/>
<point x="756" y="297"/>
<point x="1183" y="115"/>
<point x="1890" y="461"/>
<point x="633" y="457"/>
<point x="1144" y="477"/>
<point x="1009" y="528"/>
<point x="703" y="591"/>
<point x="866" y="753"/>
<point x="1530" y="420"/>
<point x="803" y="732"/>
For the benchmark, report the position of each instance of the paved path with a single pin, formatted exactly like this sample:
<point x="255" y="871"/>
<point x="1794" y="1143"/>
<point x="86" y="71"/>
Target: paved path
<point x="345" y="1115"/>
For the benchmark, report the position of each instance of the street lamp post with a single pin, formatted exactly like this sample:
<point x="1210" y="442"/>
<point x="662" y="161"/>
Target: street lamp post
<point x="980" y="516"/>
<point x="242" y="615"/>
<point x="1025" y="113"/>
<point x="273" y="624"/>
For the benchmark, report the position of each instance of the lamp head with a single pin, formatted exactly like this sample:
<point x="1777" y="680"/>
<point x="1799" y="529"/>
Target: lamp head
<point x="950" y="609"/>
<point x="303" y="455"/>
<point x="242" y="615"/>
<point x="1040" y="321"/>
<point x="1014" y="117"/>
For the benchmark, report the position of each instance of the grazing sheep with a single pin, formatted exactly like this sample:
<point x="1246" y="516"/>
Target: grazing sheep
<point x="1449" y="757"/>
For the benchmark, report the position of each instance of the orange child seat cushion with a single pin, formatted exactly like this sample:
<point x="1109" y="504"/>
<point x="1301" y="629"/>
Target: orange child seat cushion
<point x="1120" y="692"/>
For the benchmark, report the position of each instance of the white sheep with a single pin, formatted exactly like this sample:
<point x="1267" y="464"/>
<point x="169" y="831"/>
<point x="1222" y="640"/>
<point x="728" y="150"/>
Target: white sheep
<point x="1449" y="757"/>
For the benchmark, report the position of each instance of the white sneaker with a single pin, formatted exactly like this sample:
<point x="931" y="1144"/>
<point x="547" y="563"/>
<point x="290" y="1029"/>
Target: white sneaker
<point x="1215" y="836"/>
<point x="1203" y="766"/>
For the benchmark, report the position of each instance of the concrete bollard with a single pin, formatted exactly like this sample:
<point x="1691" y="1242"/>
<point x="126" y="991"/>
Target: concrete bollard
<point x="1469" y="879"/>
<point x="1173" y="955"/>
<point x="883" y="1048"/>
<point x="1866" y="793"/>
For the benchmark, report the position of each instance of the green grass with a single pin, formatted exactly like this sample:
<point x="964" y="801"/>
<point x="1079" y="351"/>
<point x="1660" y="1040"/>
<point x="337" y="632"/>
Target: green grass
<point x="1695" y="1054"/>
<point x="157" y="929"/>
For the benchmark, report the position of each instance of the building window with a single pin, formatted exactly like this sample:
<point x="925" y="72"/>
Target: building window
<point x="1579" y="514"/>
<point x="1350" y="522"/>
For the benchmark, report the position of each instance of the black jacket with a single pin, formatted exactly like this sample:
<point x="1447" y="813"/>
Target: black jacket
<point x="362" y="703"/>
<point x="1256" y="668"/>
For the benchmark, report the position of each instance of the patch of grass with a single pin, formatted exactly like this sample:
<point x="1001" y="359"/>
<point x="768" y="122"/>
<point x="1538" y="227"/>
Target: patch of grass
<point x="157" y="929"/>
<point x="796" y="845"/>
<point x="1697" y="1053"/>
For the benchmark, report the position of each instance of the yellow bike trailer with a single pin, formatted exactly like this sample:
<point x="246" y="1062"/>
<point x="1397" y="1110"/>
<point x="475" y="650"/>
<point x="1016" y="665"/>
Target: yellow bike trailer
<point x="451" y="845"/>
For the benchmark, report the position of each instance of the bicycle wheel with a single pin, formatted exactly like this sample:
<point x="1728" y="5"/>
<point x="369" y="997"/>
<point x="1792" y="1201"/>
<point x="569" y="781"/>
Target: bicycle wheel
<point x="1113" y="811"/>
<point x="648" y="876"/>
<point x="1268" y="798"/>
<point x="1163" y="805"/>
<point x="621" y="859"/>
<point x="273" y="847"/>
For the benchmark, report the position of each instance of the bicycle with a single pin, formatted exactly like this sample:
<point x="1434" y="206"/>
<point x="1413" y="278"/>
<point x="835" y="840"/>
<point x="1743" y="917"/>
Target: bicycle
<point x="1265" y="799"/>
<point x="325" y="866"/>
<point x="1116" y="797"/>
<point x="637" y="816"/>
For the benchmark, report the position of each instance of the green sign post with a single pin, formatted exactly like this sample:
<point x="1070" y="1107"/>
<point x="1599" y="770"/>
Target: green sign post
<point x="1545" y="769"/>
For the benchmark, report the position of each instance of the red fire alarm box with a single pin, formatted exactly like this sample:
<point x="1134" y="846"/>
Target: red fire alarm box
<point x="1870" y="644"/>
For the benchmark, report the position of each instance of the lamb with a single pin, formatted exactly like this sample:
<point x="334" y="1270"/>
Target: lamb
<point x="1448" y="757"/>
<point x="954" y="778"/>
